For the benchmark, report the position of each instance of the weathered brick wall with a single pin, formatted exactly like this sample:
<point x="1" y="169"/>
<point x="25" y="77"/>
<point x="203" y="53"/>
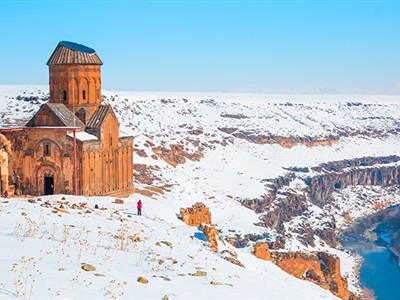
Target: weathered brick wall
<point x="320" y="268"/>
<point x="30" y="163"/>
<point x="301" y="265"/>
<point x="106" y="171"/>
<point x="76" y="86"/>
<point x="196" y="215"/>
<point x="82" y="84"/>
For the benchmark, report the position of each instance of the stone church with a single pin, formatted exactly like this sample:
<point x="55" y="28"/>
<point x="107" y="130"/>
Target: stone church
<point x="72" y="145"/>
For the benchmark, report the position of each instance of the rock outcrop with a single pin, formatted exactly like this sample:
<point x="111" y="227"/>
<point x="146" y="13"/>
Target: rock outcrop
<point x="362" y="171"/>
<point x="286" y="142"/>
<point x="330" y="177"/>
<point x="176" y="154"/>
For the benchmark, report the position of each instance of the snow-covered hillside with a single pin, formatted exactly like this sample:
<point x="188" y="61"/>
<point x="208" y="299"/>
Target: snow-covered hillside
<point x="220" y="149"/>
<point x="49" y="249"/>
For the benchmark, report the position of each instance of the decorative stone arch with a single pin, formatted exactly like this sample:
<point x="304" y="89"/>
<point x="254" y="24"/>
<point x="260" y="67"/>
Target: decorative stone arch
<point x="92" y="90"/>
<point x="83" y="90"/>
<point x="74" y="92"/>
<point x="98" y="89"/>
<point x="47" y="171"/>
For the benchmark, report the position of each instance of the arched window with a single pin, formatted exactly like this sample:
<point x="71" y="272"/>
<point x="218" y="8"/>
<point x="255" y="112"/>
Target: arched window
<point x="64" y="96"/>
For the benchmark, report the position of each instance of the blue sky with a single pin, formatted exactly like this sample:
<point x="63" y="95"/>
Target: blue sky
<point x="255" y="46"/>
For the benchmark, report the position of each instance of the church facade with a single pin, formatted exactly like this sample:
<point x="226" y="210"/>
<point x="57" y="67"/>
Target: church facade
<point x="72" y="145"/>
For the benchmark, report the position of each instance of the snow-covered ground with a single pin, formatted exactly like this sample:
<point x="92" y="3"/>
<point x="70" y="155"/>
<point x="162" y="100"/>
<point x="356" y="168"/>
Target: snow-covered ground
<point x="48" y="249"/>
<point x="232" y="169"/>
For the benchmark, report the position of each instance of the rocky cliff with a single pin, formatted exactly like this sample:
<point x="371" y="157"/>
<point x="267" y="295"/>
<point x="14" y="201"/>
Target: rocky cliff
<point x="281" y="205"/>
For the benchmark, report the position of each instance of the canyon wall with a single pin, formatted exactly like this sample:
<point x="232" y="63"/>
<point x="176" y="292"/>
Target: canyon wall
<point x="329" y="177"/>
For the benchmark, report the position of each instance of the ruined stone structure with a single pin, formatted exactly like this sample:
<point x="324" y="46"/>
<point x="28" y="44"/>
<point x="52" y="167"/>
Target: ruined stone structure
<point x="196" y="215"/>
<point x="261" y="251"/>
<point x="72" y="145"/>
<point x="211" y="234"/>
<point x="320" y="268"/>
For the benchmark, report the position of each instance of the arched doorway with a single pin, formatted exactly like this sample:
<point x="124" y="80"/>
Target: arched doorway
<point x="47" y="181"/>
<point x="48" y="187"/>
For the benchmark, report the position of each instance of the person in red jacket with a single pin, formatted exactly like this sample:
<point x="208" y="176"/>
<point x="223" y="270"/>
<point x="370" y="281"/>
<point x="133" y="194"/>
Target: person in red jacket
<point x="5" y="195"/>
<point x="139" y="208"/>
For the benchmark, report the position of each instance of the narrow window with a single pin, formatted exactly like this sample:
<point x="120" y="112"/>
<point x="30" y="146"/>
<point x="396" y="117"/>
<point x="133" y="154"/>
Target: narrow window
<point x="98" y="93"/>
<point x="64" y="96"/>
<point x="84" y="94"/>
<point x="47" y="149"/>
<point x="110" y="140"/>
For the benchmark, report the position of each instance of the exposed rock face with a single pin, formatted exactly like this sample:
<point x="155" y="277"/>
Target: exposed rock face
<point x="175" y="155"/>
<point x="318" y="190"/>
<point x="196" y="215"/>
<point x="339" y="175"/>
<point x="286" y="142"/>
<point x="145" y="174"/>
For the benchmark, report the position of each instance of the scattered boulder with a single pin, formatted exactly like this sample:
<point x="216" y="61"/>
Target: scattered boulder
<point x="134" y="238"/>
<point x="169" y="244"/>
<point x="216" y="283"/>
<point x="24" y="214"/>
<point x="142" y="280"/>
<point x="199" y="273"/>
<point x="234" y="261"/>
<point x="88" y="267"/>
<point x="119" y="201"/>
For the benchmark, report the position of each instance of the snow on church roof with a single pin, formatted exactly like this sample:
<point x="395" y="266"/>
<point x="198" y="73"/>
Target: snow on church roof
<point x="84" y="136"/>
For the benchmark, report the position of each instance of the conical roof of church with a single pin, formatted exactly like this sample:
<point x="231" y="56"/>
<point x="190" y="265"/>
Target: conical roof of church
<point x="69" y="53"/>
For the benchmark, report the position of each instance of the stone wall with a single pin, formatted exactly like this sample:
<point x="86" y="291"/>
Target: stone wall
<point x="212" y="235"/>
<point x="40" y="153"/>
<point x="196" y="215"/>
<point x="100" y="170"/>
<point x="106" y="171"/>
<point x="318" y="267"/>
<point x="4" y="152"/>
<point x="261" y="250"/>
<point x="76" y="86"/>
